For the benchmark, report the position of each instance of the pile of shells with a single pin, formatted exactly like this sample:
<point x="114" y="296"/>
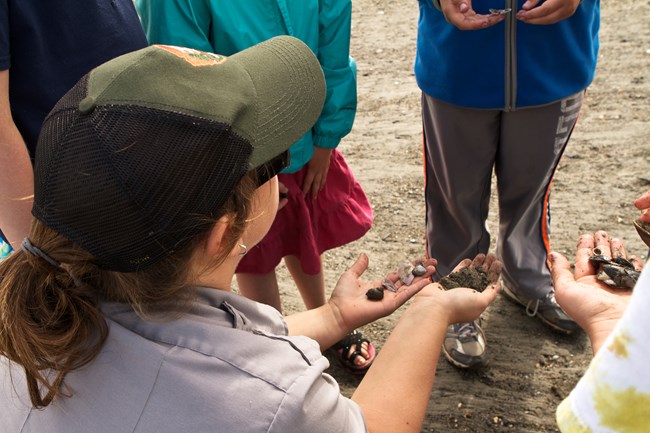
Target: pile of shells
<point x="407" y="273"/>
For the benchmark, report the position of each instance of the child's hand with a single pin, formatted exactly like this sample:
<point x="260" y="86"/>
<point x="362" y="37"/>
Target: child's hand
<point x="547" y="12"/>
<point x="317" y="169"/>
<point x="460" y="14"/>
<point x="463" y="304"/>
<point x="353" y="308"/>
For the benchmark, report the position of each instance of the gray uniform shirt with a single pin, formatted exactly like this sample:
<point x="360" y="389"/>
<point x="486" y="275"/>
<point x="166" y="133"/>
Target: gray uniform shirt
<point x="226" y="366"/>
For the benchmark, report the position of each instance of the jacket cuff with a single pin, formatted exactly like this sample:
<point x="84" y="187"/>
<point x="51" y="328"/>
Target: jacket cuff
<point x="326" y="142"/>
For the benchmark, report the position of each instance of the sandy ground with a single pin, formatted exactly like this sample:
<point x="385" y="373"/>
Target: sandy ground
<point x="604" y="168"/>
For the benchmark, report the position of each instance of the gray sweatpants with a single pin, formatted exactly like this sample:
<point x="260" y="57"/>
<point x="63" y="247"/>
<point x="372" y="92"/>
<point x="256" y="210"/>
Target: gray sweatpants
<point x="461" y="148"/>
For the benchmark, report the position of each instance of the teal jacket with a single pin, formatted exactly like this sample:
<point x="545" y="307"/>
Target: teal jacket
<point x="228" y="26"/>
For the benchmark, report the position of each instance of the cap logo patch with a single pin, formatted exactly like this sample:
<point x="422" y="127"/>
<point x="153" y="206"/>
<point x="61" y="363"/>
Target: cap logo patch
<point x="194" y="57"/>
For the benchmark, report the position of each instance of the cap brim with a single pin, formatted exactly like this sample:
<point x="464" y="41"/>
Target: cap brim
<point x="290" y="93"/>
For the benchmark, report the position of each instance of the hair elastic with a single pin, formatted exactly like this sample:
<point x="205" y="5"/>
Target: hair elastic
<point x="37" y="252"/>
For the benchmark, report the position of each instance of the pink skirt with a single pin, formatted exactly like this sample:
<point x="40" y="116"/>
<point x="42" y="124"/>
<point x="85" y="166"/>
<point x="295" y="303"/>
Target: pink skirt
<point x="306" y="228"/>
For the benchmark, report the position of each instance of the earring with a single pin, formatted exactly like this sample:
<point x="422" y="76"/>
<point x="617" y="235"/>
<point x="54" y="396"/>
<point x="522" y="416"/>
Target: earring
<point x="244" y="250"/>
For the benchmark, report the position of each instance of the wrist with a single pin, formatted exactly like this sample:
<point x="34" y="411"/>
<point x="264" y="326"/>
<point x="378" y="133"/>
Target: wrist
<point x="599" y="332"/>
<point x="429" y="308"/>
<point x="335" y="322"/>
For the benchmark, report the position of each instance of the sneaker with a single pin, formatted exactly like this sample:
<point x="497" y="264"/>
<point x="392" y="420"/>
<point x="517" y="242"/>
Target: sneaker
<point x="546" y="309"/>
<point x="464" y="345"/>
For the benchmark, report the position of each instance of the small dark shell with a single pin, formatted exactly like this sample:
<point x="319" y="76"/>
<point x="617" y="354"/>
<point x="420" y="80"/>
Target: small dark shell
<point x="618" y="276"/>
<point x="419" y="270"/>
<point x="623" y="262"/>
<point x="375" y="294"/>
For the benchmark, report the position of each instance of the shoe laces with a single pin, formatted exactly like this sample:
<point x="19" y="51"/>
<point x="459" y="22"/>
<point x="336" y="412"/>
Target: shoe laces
<point x="467" y="330"/>
<point x="549" y="298"/>
<point x="532" y="312"/>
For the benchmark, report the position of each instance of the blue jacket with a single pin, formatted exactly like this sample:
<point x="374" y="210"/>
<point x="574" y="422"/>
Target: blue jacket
<point x="510" y="65"/>
<point x="226" y="27"/>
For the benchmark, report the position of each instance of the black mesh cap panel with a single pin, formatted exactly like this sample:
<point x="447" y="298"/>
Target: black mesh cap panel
<point x="127" y="159"/>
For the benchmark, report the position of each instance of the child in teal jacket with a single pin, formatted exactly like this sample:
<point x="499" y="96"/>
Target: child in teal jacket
<point x="325" y="206"/>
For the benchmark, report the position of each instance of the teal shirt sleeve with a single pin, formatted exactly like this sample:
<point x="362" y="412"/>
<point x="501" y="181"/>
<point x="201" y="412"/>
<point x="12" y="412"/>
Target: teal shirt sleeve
<point x="184" y="23"/>
<point x="340" y="73"/>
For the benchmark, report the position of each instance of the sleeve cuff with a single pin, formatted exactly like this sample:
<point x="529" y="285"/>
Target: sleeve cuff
<point x="326" y="142"/>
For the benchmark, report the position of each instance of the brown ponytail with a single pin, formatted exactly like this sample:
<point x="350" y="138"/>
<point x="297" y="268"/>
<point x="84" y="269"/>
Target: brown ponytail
<point x="49" y="324"/>
<point x="50" y="319"/>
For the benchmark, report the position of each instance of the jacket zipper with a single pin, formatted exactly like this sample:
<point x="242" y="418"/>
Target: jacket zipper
<point x="511" y="56"/>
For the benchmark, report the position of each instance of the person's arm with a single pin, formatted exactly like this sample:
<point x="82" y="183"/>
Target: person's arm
<point x="340" y="71"/>
<point x="403" y="374"/>
<point x="395" y="392"/>
<point x="349" y="308"/>
<point x="612" y="390"/>
<point x="415" y="342"/>
<point x="16" y="173"/>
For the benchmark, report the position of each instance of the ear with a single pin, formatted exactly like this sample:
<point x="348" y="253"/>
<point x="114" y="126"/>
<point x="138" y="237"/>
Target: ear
<point x="214" y="243"/>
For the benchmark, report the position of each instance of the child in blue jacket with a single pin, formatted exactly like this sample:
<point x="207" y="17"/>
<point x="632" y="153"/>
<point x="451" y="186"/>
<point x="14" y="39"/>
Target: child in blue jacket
<point x="502" y="85"/>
